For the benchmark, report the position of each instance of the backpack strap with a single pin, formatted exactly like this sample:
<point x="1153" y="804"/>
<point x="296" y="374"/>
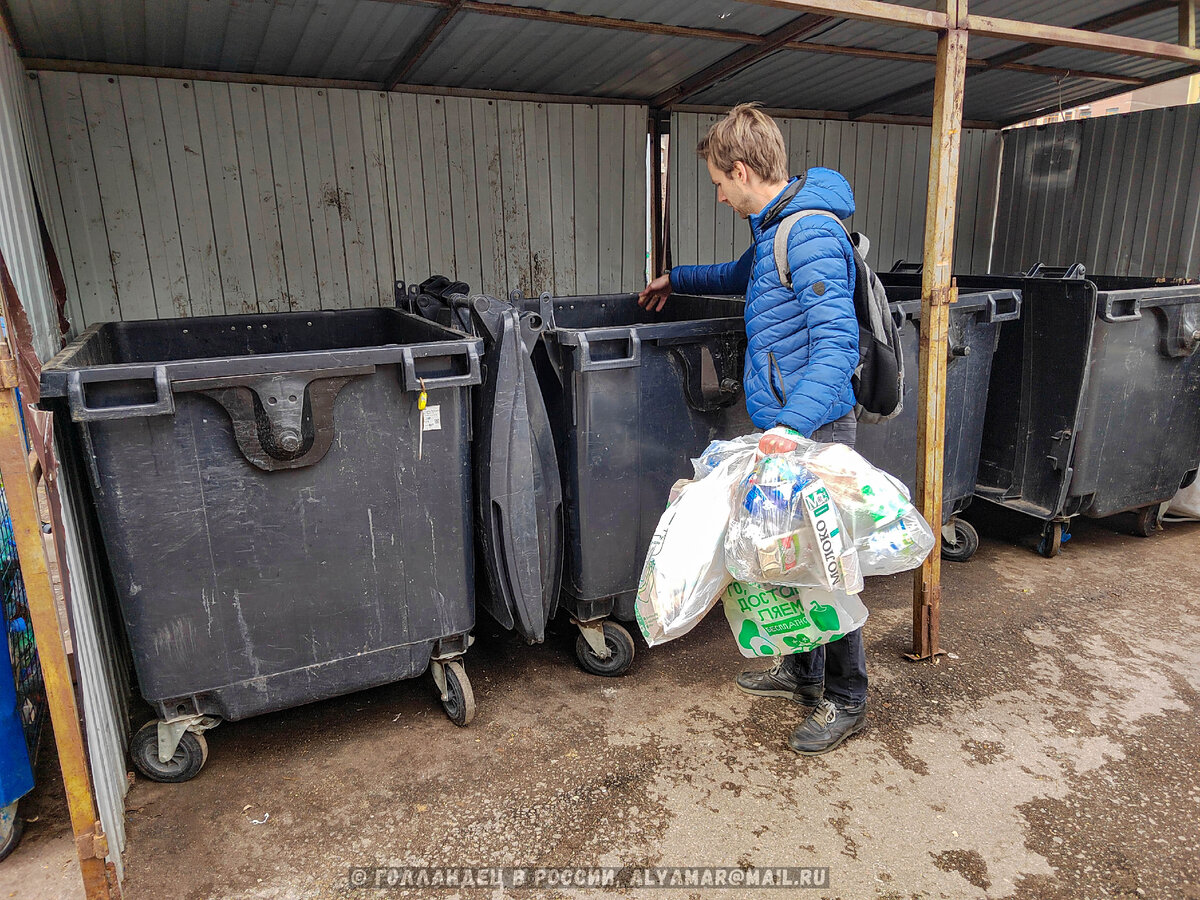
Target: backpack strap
<point x="784" y="231"/>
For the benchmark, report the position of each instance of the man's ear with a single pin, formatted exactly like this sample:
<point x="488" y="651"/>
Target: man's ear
<point x="740" y="172"/>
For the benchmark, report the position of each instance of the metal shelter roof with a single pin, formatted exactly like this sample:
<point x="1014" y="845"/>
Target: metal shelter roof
<point x="668" y="53"/>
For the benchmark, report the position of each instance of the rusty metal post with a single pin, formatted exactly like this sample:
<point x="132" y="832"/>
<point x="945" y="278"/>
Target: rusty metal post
<point x="937" y="293"/>
<point x="90" y="841"/>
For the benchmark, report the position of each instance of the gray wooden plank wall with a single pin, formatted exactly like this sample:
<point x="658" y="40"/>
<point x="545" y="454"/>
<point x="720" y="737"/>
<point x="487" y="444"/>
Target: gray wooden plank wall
<point x="1121" y="194"/>
<point x="886" y="165"/>
<point x="176" y="198"/>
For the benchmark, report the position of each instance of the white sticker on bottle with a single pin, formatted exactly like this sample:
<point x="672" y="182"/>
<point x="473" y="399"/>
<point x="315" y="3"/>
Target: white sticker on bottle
<point x="431" y="418"/>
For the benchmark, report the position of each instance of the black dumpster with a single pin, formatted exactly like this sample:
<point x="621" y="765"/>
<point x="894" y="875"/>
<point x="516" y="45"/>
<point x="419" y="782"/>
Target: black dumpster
<point x="974" y="331"/>
<point x="632" y="396"/>
<point x="283" y="518"/>
<point x="1094" y="400"/>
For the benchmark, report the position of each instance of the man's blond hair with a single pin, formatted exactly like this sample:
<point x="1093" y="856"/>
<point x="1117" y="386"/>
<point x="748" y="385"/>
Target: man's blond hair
<point x="746" y="135"/>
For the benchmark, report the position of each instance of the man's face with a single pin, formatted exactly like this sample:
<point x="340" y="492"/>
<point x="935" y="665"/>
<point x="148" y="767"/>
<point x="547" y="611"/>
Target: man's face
<point x="733" y="188"/>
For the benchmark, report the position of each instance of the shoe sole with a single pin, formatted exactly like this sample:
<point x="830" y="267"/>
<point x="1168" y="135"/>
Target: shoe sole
<point x="833" y="746"/>
<point x="753" y="693"/>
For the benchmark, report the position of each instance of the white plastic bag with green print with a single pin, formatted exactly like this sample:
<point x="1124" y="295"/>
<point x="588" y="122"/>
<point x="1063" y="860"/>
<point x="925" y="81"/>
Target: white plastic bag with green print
<point x="684" y="573"/>
<point x="775" y="620"/>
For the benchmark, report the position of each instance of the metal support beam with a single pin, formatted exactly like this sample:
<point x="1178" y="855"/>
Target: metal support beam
<point x="409" y="60"/>
<point x="734" y="62"/>
<point x="1009" y="59"/>
<point x="833" y="115"/>
<point x="1187" y="23"/>
<point x="937" y="293"/>
<point x="56" y="673"/>
<point x="1057" y="36"/>
<point x="1100" y="23"/>
<point x="864" y="11"/>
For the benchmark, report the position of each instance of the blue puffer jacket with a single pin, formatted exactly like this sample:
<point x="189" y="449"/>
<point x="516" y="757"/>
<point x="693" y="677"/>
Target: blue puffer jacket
<point x="802" y="343"/>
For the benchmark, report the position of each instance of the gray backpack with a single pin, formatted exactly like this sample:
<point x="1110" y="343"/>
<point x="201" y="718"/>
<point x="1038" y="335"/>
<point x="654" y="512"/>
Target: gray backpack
<point x="879" y="378"/>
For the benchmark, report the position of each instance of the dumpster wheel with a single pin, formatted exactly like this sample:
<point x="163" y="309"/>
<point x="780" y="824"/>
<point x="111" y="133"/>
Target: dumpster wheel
<point x="458" y="699"/>
<point x="1147" y="521"/>
<point x="1052" y="540"/>
<point x="619" y="644"/>
<point x="189" y="758"/>
<point x="965" y="543"/>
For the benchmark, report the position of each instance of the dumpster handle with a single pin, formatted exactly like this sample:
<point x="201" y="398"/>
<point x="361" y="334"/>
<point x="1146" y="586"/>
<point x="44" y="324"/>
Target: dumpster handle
<point x="414" y="381"/>
<point x="163" y="405"/>
<point x="1003" y="306"/>
<point x="1120" y="309"/>
<point x="587" y="364"/>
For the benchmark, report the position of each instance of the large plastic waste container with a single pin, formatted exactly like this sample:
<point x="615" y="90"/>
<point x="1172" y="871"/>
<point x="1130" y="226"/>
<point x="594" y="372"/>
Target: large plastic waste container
<point x="632" y="395"/>
<point x="974" y="331"/>
<point x="283" y="520"/>
<point x="1093" y="405"/>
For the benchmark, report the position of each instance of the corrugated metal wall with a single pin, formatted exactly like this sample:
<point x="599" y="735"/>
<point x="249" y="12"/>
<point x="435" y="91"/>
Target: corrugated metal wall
<point x="193" y="198"/>
<point x="20" y="234"/>
<point x="887" y="165"/>
<point x="1121" y="194"/>
<point x="103" y="678"/>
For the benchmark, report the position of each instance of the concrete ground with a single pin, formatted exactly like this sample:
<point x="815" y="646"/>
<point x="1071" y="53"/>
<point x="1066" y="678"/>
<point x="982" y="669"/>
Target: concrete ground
<point x="1053" y="753"/>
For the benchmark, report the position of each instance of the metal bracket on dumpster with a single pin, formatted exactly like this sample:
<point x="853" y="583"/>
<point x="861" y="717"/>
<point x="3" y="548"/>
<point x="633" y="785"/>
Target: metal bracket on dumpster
<point x="1182" y="332"/>
<point x="282" y="421"/>
<point x="593" y="633"/>
<point x="724" y="350"/>
<point x="171" y="731"/>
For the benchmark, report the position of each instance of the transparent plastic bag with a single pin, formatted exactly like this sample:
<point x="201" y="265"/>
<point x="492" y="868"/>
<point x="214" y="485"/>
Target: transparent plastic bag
<point x="897" y="547"/>
<point x="684" y="572"/>
<point x="785" y="529"/>
<point x="888" y="532"/>
<point x="717" y="452"/>
<point x="775" y="620"/>
<point x="868" y="498"/>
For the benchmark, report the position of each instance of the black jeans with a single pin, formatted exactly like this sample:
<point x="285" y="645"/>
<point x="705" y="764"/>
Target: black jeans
<point x="842" y="665"/>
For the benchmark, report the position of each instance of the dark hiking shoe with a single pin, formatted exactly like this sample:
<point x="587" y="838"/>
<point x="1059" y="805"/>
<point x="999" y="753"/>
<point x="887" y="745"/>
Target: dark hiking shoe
<point x="774" y="682"/>
<point x="826" y="727"/>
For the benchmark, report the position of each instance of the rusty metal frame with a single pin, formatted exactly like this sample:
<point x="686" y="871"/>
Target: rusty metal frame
<point x="91" y="844"/>
<point x="1010" y="59"/>
<point x="937" y="293"/>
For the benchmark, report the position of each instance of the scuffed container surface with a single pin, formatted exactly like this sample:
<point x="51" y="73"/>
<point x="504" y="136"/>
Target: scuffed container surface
<point x="278" y="531"/>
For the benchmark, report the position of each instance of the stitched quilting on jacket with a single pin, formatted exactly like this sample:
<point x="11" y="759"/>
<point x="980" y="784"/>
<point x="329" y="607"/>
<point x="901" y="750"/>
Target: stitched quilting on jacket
<point x="802" y="343"/>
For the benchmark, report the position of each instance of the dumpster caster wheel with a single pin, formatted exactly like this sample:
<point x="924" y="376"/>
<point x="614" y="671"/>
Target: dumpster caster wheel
<point x="1146" y="524"/>
<point x="965" y="543"/>
<point x="459" y="699"/>
<point x="1052" y="539"/>
<point x="190" y="756"/>
<point x="619" y="644"/>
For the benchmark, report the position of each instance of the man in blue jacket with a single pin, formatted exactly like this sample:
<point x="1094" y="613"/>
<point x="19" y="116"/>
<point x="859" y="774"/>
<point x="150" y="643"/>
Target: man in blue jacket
<point x="802" y="349"/>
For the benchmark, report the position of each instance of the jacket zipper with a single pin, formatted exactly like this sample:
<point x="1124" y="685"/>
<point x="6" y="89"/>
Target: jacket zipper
<point x="773" y="367"/>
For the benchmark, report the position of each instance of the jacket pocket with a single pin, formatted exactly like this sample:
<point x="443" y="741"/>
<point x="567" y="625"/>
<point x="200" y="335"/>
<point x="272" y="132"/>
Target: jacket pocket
<point x="773" y="370"/>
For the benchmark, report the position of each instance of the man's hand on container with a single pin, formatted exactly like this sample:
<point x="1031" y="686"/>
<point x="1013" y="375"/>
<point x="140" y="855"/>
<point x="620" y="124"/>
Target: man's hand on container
<point x="654" y="295"/>
<point x="779" y="439"/>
